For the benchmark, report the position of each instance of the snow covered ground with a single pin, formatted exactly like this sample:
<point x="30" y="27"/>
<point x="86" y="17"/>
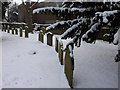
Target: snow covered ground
<point x="95" y="66"/>
<point x="22" y="68"/>
<point x="27" y="63"/>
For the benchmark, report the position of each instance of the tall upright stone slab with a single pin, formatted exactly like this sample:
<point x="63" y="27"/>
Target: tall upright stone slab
<point x="26" y="31"/>
<point x="56" y="44"/>
<point x="2" y="27"/>
<point x="41" y="36"/>
<point x="8" y="28"/>
<point x="12" y="30"/>
<point x="16" y="31"/>
<point x="69" y="67"/>
<point x="49" y="39"/>
<point x="5" y="27"/>
<point x="21" y="34"/>
<point x="60" y="52"/>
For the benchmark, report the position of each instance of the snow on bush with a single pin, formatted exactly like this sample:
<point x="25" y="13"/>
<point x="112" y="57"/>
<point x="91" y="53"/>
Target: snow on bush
<point x="94" y="28"/>
<point x="63" y="23"/>
<point x="106" y="14"/>
<point x="61" y="9"/>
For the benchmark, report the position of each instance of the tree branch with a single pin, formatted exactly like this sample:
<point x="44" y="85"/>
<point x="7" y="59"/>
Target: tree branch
<point x="34" y="4"/>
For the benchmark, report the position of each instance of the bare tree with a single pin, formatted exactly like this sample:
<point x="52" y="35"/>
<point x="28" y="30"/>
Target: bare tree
<point x="28" y="12"/>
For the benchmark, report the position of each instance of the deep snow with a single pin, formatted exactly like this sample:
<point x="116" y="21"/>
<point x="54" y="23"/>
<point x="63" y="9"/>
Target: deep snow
<point x="22" y="68"/>
<point x="27" y="63"/>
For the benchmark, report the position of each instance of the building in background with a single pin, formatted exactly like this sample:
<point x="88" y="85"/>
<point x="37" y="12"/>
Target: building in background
<point x="41" y="18"/>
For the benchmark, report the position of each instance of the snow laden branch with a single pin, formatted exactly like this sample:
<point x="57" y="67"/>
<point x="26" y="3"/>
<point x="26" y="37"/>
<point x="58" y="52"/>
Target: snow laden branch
<point x="67" y="23"/>
<point x="58" y="9"/>
<point x="100" y="19"/>
<point x="74" y="28"/>
<point x="91" y="34"/>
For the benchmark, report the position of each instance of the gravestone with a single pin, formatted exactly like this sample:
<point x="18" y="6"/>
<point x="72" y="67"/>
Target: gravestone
<point x="41" y="36"/>
<point x="69" y="67"/>
<point x="21" y="34"/>
<point x="43" y="29"/>
<point x="56" y="44"/>
<point x="8" y="28"/>
<point x="12" y="30"/>
<point x="49" y="39"/>
<point x="2" y="27"/>
<point x="16" y="31"/>
<point x="5" y="27"/>
<point x="60" y="52"/>
<point x="26" y="31"/>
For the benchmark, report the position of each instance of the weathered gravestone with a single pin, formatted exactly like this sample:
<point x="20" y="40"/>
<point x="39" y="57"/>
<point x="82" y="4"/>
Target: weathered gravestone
<point x="60" y="52"/>
<point x="21" y="34"/>
<point x="69" y="67"/>
<point x="56" y="44"/>
<point x="16" y="31"/>
<point x="26" y="31"/>
<point x="8" y="28"/>
<point x="2" y="27"/>
<point x="12" y="30"/>
<point x="41" y="36"/>
<point x="5" y="27"/>
<point x="49" y="39"/>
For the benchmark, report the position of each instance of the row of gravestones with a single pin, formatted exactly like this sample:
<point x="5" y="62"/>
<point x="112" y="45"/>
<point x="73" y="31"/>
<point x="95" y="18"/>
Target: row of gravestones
<point x="68" y="61"/>
<point x="10" y="28"/>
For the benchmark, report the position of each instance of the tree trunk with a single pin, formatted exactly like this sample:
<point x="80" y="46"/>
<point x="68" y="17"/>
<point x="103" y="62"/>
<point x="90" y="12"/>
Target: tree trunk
<point x="28" y="16"/>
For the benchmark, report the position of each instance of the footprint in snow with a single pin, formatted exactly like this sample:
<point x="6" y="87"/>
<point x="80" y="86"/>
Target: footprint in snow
<point x="32" y="52"/>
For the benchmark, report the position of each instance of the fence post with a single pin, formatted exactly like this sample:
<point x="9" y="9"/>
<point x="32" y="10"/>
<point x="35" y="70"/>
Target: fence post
<point x="60" y="52"/>
<point x="21" y="34"/>
<point x="69" y="67"/>
<point x="41" y="36"/>
<point x="56" y="44"/>
<point x="26" y="31"/>
<point x="12" y="30"/>
<point x="49" y="39"/>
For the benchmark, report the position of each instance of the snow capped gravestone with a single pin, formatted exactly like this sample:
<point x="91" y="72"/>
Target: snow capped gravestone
<point x="69" y="67"/>
<point x="56" y="44"/>
<point x="49" y="38"/>
<point x="5" y="27"/>
<point x="8" y="28"/>
<point x="41" y="36"/>
<point x="21" y="32"/>
<point x="60" y="52"/>
<point x="12" y="30"/>
<point x="16" y="31"/>
<point x="26" y="31"/>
